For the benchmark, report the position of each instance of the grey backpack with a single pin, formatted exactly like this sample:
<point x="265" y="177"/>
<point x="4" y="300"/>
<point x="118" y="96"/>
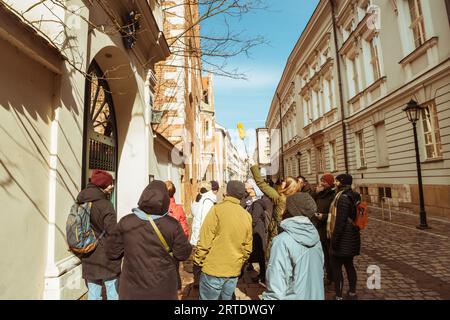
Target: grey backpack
<point x="80" y="236"/>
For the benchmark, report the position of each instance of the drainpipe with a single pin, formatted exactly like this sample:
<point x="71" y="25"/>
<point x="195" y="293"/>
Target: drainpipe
<point x="341" y="96"/>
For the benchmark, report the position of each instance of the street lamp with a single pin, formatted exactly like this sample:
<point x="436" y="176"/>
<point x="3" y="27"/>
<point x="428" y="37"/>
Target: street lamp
<point x="413" y="113"/>
<point x="299" y="156"/>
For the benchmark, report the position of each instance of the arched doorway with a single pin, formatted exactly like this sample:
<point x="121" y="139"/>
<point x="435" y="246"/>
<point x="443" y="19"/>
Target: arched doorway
<point x="100" y="127"/>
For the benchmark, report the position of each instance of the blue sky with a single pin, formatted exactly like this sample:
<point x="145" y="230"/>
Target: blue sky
<point x="249" y="101"/>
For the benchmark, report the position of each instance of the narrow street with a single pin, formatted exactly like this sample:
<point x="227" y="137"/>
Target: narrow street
<point x="117" y="114"/>
<point x="413" y="263"/>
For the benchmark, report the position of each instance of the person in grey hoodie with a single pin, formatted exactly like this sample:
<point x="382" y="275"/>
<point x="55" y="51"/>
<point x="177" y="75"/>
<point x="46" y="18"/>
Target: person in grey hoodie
<point x="295" y="270"/>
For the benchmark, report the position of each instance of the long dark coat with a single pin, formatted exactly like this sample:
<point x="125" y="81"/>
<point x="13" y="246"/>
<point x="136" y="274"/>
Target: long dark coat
<point x="261" y="211"/>
<point x="323" y="200"/>
<point x="96" y="265"/>
<point x="149" y="272"/>
<point x="346" y="239"/>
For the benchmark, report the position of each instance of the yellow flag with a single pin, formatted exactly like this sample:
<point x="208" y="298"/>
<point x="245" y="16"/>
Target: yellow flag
<point x="241" y="130"/>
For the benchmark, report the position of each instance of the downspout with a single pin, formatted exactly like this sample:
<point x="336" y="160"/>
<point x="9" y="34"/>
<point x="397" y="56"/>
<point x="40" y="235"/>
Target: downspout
<point x="341" y="96"/>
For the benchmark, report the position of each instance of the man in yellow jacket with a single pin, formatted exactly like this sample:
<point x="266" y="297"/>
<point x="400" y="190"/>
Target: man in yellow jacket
<point x="225" y="245"/>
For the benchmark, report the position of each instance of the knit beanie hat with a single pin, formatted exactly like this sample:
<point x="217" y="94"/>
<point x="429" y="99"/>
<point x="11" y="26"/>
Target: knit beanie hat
<point x="345" y="179"/>
<point x="301" y="204"/>
<point x="236" y="189"/>
<point x="101" y="179"/>
<point x="328" y="178"/>
<point x="214" y="186"/>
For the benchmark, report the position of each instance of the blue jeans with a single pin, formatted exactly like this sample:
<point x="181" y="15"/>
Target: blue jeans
<point x="214" y="288"/>
<point x="95" y="290"/>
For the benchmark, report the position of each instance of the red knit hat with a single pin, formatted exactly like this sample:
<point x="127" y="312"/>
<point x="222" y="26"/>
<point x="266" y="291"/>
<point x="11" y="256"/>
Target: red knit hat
<point x="101" y="179"/>
<point x="328" y="178"/>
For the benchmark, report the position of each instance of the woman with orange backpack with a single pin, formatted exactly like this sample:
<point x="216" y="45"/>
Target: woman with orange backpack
<point x="344" y="235"/>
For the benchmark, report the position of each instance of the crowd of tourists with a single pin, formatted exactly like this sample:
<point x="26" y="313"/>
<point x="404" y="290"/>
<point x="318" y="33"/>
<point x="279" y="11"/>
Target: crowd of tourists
<point x="296" y="236"/>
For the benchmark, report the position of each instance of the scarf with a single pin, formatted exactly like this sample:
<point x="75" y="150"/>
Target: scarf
<point x="144" y="216"/>
<point x="333" y="212"/>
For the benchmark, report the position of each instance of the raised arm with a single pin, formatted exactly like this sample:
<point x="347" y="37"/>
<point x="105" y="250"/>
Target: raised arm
<point x="270" y="192"/>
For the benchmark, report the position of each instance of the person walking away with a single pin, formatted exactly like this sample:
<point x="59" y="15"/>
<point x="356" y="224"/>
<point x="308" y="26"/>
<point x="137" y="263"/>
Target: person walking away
<point x="225" y="245"/>
<point x="97" y="268"/>
<point x="259" y="206"/>
<point x="295" y="269"/>
<point x="345" y="236"/>
<point x="278" y="198"/>
<point x="324" y="196"/>
<point x="176" y="211"/>
<point x="195" y="204"/>
<point x="188" y="266"/>
<point x="208" y="200"/>
<point x="304" y="185"/>
<point x="150" y="242"/>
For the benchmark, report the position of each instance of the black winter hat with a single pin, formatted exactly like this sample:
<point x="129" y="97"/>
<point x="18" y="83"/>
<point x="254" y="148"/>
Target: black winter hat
<point x="301" y="204"/>
<point x="345" y="179"/>
<point x="236" y="189"/>
<point x="155" y="198"/>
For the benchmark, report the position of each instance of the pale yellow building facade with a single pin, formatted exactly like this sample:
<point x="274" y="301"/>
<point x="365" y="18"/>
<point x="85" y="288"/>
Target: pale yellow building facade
<point x="74" y="96"/>
<point x="343" y="101"/>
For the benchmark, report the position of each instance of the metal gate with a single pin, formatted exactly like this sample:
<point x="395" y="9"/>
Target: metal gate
<point x="100" y="129"/>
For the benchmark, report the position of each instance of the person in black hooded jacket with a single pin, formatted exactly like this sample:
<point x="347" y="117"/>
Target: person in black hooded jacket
<point x="345" y="236"/>
<point x="324" y="196"/>
<point x="149" y="272"/>
<point x="97" y="268"/>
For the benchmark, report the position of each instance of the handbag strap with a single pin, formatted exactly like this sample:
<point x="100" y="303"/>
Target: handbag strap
<point x="160" y="236"/>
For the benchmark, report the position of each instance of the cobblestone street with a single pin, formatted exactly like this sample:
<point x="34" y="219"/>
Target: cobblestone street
<point x="413" y="263"/>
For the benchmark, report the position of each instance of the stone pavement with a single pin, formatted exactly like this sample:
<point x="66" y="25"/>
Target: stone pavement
<point x="413" y="264"/>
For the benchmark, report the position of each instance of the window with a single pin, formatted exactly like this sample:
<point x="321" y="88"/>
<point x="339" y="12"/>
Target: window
<point x="205" y="96"/>
<point x="381" y="145"/>
<point x="320" y="160"/>
<point x="360" y="150"/>
<point x="417" y="22"/>
<point x="355" y="74"/>
<point x="308" y="161"/>
<point x="207" y="129"/>
<point x="328" y="95"/>
<point x="364" y="192"/>
<point x="315" y="105"/>
<point x="332" y="153"/>
<point x="305" y="113"/>
<point x="374" y="60"/>
<point x="432" y="137"/>
<point x="384" y="192"/>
